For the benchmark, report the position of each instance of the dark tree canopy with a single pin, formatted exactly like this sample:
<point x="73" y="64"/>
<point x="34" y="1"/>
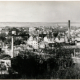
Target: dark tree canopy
<point x="55" y="34"/>
<point x="3" y="37"/>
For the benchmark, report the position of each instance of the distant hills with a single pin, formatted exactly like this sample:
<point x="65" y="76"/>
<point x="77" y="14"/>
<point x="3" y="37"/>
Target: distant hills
<point x="29" y="24"/>
<point x="56" y="25"/>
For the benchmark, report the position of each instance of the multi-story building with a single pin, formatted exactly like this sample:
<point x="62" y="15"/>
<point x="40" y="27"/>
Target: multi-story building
<point x="33" y="42"/>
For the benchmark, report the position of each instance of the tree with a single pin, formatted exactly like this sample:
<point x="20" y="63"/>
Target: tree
<point x="27" y="63"/>
<point x="3" y="37"/>
<point x="13" y="29"/>
<point x="8" y="40"/>
<point x="55" y="34"/>
<point x="23" y="33"/>
<point x="30" y="64"/>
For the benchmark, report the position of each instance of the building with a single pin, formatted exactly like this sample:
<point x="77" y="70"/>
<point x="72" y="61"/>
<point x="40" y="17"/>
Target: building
<point x="42" y="45"/>
<point x="61" y="40"/>
<point x="48" y="39"/>
<point x="7" y="51"/>
<point x="31" y="30"/>
<point x="32" y="42"/>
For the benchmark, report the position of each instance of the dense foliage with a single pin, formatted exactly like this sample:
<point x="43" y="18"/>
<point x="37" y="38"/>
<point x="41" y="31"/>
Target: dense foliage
<point x="31" y="65"/>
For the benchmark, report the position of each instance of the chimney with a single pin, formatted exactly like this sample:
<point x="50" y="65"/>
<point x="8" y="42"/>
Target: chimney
<point x="69" y="30"/>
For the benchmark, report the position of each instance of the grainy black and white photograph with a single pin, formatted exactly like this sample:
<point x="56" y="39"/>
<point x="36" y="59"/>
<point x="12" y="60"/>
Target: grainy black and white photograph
<point x="39" y="39"/>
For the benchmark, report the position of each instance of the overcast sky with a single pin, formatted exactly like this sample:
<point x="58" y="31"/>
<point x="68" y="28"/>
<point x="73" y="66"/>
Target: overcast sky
<point x="54" y="11"/>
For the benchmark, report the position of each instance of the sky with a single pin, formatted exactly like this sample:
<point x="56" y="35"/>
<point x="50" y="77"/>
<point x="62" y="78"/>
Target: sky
<point x="39" y="11"/>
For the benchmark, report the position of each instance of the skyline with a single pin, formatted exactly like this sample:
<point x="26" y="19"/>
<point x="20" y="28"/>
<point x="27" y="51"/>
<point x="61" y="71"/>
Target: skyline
<point x="38" y="24"/>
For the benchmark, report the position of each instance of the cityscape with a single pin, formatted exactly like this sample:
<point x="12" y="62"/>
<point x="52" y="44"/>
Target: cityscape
<point x="40" y="52"/>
